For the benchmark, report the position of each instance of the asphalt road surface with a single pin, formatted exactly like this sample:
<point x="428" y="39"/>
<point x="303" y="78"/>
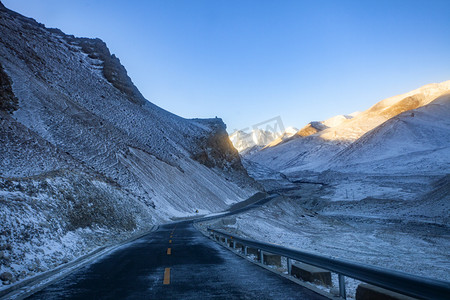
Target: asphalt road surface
<point x="174" y="262"/>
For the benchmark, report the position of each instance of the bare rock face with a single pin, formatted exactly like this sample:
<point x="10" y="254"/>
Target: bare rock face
<point x="6" y="276"/>
<point x="8" y="101"/>
<point x="217" y="150"/>
<point x="49" y="68"/>
<point x="112" y="69"/>
<point x="310" y="129"/>
<point x="405" y="104"/>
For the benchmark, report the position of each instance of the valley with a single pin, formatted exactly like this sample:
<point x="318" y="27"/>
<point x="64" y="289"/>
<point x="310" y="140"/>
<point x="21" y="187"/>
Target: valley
<point x="87" y="162"/>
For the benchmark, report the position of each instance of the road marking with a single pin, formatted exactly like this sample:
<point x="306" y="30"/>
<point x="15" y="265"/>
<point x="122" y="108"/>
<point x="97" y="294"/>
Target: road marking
<point x="166" y="276"/>
<point x="170" y="241"/>
<point x="170" y="236"/>
<point x="169" y="251"/>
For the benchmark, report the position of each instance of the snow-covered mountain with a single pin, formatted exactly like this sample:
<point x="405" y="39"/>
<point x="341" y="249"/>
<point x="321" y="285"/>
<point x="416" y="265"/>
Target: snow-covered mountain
<point x="86" y="159"/>
<point x="245" y="140"/>
<point x="319" y="143"/>
<point x="415" y="141"/>
<point x="372" y="187"/>
<point x="257" y="139"/>
<point x="316" y="126"/>
<point x="286" y="134"/>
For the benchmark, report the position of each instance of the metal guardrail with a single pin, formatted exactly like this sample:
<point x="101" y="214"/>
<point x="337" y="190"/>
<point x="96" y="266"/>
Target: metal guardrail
<point x="403" y="283"/>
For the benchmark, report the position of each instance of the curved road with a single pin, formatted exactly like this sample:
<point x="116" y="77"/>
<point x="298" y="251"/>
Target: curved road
<point x="195" y="267"/>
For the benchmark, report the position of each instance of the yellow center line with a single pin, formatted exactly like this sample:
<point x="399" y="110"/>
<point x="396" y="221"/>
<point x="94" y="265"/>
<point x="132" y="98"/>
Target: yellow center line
<point x="166" y="276"/>
<point x="169" y="251"/>
<point x="170" y="241"/>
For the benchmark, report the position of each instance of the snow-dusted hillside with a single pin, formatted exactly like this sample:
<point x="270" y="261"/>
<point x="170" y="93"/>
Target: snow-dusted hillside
<point x="315" y="145"/>
<point x="84" y="153"/>
<point x="415" y="141"/>
<point x="373" y="188"/>
<point x="288" y="133"/>
<point x="389" y="234"/>
<point x="247" y="143"/>
<point x="242" y="140"/>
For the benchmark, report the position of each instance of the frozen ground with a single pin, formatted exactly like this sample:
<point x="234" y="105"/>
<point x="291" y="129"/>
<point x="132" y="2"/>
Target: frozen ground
<point x="412" y="236"/>
<point x="372" y="186"/>
<point x="412" y="247"/>
<point x="50" y="220"/>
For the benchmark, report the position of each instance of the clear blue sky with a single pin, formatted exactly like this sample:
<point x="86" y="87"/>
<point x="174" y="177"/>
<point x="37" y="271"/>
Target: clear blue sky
<point x="248" y="61"/>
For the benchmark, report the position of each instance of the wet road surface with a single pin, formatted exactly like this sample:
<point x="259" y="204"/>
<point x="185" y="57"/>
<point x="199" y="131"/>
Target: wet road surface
<point x="174" y="262"/>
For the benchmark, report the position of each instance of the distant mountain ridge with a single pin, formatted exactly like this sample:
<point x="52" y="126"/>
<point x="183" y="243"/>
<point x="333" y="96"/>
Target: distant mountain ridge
<point x="417" y="139"/>
<point x="257" y="139"/>
<point x="260" y="139"/>
<point x="316" y="145"/>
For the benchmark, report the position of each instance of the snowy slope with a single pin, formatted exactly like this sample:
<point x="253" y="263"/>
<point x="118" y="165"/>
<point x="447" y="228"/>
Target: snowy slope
<point x="316" y="126"/>
<point x="384" y="110"/>
<point x="297" y="154"/>
<point x="67" y="99"/>
<point x="337" y="120"/>
<point x="398" y="244"/>
<point x="303" y="147"/>
<point x="314" y="146"/>
<point x="242" y="140"/>
<point x="84" y="153"/>
<point x="416" y="141"/>
<point x="288" y="133"/>
<point x="247" y="143"/>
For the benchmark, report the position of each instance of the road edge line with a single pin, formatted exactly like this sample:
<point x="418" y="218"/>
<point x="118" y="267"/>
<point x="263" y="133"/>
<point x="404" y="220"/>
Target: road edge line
<point x="32" y="285"/>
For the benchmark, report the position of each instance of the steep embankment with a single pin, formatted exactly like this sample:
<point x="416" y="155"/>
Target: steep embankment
<point x="85" y="155"/>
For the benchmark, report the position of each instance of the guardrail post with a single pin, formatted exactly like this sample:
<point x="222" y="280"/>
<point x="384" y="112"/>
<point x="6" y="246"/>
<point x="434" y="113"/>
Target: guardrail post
<point x="406" y="284"/>
<point x="289" y="265"/>
<point x="342" y="292"/>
